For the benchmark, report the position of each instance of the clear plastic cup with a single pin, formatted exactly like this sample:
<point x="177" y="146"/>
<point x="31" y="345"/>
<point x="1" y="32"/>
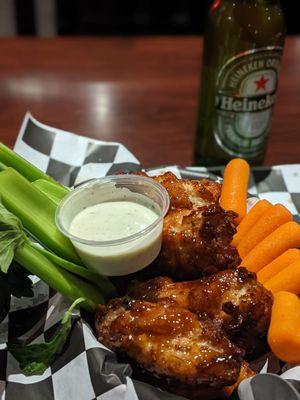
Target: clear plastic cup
<point x="127" y="254"/>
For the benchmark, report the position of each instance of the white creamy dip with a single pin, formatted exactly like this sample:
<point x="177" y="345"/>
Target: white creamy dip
<point x="115" y="230"/>
<point x="112" y="220"/>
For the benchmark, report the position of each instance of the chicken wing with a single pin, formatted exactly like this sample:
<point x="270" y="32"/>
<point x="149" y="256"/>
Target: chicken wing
<point x="209" y="393"/>
<point x="197" y="232"/>
<point x="187" y="193"/>
<point x="171" y="343"/>
<point x="197" y="243"/>
<point x="234" y="299"/>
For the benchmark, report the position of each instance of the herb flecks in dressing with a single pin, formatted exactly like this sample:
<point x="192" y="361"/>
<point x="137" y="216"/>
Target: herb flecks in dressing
<point x="112" y="220"/>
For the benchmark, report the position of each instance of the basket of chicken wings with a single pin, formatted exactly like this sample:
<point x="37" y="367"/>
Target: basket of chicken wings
<point x="191" y="322"/>
<point x="181" y="283"/>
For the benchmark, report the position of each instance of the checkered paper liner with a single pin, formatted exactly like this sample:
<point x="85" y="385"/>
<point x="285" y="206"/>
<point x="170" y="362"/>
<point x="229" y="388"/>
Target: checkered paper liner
<point x="85" y="369"/>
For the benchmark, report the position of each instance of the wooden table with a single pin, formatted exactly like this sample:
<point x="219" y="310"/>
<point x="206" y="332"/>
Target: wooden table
<point x="139" y="91"/>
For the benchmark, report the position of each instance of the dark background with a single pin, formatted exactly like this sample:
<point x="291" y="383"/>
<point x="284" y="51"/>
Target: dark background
<point x="128" y="17"/>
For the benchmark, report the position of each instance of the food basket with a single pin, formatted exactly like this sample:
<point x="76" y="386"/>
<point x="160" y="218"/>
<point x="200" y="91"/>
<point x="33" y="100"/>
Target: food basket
<point x="84" y="369"/>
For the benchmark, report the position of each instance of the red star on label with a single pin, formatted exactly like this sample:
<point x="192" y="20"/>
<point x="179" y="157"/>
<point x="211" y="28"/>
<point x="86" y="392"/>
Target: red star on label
<point x="261" y="83"/>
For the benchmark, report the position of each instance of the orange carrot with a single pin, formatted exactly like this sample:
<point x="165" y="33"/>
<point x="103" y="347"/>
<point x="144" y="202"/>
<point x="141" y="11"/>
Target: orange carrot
<point x="285" y="237"/>
<point x="250" y="219"/>
<point x="277" y="265"/>
<point x="235" y="186"/>
<point x="284" y="330"/>
<point x="287" y="279"/>
<point x="271" y="220"/>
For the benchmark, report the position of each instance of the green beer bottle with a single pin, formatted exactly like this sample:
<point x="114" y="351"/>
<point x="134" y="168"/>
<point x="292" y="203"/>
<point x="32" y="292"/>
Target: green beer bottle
<point x="243" y="46"/>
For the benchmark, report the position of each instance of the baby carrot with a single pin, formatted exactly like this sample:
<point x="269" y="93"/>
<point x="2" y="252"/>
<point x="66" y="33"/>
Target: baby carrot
<point x="277" y="265"/>
<point x="285" y="237"/>
<point x="273" y="217"/>
<point x="284" y="330"/>
<point x="287" y="279"/>
<point x="235" y="186"/>
<point x="250" y="219"/>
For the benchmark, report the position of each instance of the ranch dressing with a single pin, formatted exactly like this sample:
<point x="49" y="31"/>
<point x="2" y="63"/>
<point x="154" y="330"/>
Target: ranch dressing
<point x="108" y="228"/>
<point x="112" y="220"/>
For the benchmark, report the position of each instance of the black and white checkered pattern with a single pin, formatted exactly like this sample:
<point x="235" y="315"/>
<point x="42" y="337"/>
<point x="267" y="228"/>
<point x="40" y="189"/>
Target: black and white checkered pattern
<point x="85" y="369"/>
<point x="67" y="157"/>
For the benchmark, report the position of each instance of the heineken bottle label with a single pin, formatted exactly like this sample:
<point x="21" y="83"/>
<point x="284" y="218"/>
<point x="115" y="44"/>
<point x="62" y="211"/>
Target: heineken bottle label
<point x="246" y="93"/>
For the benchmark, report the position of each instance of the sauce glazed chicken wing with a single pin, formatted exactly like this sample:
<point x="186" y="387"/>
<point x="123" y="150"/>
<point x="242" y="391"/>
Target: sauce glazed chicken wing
<point x="188" y="193"/>
<point x="197" y="232"/>
<point x="233" y="299"/>
<point x="197" y="243"/>
<point x="171" y="343"/>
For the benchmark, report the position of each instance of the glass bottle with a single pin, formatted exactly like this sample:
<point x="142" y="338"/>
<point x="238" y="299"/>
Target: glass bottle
<point x="243" y="45"/>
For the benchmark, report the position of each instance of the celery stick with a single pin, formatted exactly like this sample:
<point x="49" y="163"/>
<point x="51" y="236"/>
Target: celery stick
<point x="25" y="168"/>
<point x="36" y="212"/>
<point x="2" y="166"/>
<point x="64" y="282"/>
<point x="15" y="244"/>
<point x="107" y="288"/>
<point x="54" y="192"/>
